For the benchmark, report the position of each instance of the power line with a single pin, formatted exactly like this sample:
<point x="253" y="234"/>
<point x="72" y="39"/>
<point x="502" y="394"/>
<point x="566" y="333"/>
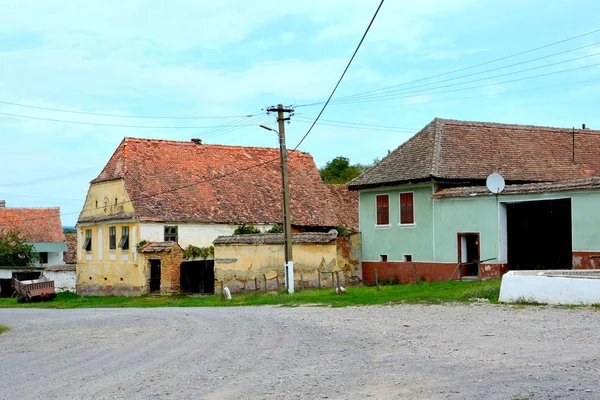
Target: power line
<point x="391" y="96"/>
<point x="352" y="125"/>
<point x="119" y="115"/>
<point x="384" y="93"/>
<point x="341" y="77"/>
<point x="475" y="97"/>
<point x="402" y="96"/>
<point x="469" y="67"/>
<point x="115" y="125"/>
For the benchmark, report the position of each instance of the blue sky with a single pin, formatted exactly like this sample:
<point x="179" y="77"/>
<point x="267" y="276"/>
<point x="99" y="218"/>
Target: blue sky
<point x="233" y="58"/>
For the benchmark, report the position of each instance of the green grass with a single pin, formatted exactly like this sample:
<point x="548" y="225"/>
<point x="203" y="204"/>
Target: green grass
<point x="428" y="293"/>
<point x="3" y="328"/>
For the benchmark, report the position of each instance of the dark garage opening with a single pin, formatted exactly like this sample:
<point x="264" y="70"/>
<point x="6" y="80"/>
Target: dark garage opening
<point x="539" y="235"/>
<point x="6" y="289"/>
<point x="198" y="277"/>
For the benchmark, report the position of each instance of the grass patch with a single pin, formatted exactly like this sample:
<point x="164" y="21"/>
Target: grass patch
<point x="3" y="328"/>
<point x="428" y="293"/>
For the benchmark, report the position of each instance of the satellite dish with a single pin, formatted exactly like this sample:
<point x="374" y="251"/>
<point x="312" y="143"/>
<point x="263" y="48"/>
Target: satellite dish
<point x="495" y="183"/>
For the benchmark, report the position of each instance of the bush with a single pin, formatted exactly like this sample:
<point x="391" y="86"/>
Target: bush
<point x="276" y="229"/>
<point x="246" y="230"/>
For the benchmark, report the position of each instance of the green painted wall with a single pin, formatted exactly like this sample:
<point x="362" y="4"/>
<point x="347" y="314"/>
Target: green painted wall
<point x="453" y="216"/>
<point x="397" y="241"/>
<point x="434" y="237"/>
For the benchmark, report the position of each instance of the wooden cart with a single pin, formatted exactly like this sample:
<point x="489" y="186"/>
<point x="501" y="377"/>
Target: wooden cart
<point x="41" y="289"/>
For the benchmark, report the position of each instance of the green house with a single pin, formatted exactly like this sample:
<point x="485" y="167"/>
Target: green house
<point x="427" y="214"/>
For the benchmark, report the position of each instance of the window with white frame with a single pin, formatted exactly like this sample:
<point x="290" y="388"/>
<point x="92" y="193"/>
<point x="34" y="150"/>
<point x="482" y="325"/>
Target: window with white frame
<point x="407" y="209"/>
<point x="383" y="209"/>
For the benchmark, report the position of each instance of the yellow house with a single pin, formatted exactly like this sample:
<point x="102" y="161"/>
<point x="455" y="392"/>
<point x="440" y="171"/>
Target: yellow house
<point x="161" y="192"/>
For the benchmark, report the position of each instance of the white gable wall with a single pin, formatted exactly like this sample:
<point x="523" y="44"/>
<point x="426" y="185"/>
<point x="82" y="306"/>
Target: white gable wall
<point x="200" y="235"/>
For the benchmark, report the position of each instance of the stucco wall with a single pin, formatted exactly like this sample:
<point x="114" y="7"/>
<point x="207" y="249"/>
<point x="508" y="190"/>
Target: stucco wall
<point x="64" y="281"/>
<point x="395" y="241"/>
<point x="237" y="263"/>
<point x="445" y="218"/>
<point x="200" y="235"/>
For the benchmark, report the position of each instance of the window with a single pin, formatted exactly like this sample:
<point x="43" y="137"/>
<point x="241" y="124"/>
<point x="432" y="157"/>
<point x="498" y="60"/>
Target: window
<point x="383" y="257"/>
<point x="124" y="242"/>
<point x="383" y="209"/>
<point x="407" y="212"/>
<point x="87" y="244"/>
<point x="408" y="257"/>
<point x="112" y="237"/>
<point x="170" y="233"/>
<point x="44" y="258"/>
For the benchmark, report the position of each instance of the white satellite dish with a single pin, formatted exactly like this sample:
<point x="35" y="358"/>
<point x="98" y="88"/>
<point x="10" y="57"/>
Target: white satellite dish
<point x="495" y="183"/>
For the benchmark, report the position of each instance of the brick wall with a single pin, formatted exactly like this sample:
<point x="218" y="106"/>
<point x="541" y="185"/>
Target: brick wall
<point x="411" y="272"/>
<point x="586" y="260"/>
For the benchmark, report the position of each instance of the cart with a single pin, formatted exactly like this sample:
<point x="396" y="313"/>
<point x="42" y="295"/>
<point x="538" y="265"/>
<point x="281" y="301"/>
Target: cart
<point x="41" y="289"/>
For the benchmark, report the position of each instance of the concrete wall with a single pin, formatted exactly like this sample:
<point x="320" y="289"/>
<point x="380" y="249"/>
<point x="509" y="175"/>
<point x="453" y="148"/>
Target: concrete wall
<point x="237" y="263"/>
<point x="64" y="281"/>
<point x="395" y="241"/>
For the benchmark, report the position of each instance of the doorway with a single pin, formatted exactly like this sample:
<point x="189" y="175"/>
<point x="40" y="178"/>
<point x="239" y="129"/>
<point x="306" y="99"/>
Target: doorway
<point x="468" y="253"/>
<point x="198" y="277"/>
<point x="539" y="235"/>
<point x="154" y="276"/>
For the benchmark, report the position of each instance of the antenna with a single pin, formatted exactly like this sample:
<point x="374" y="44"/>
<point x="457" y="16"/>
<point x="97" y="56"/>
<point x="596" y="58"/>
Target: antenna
<point x="495" y="183"/>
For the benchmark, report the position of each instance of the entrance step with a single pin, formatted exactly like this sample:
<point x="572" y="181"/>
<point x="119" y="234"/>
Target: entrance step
<point x="470" y="278"/>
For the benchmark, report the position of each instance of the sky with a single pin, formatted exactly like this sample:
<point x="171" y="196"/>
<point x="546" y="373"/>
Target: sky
<point x="221" y="64"/>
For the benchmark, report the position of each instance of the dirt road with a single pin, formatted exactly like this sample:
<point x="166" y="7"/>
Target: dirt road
<point x="477" y="351"/>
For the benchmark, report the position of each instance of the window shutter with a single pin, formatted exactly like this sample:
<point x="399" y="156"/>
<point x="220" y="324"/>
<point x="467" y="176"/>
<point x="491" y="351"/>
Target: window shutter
<point x="407" y="215"/>
<point x="383" y="210"/>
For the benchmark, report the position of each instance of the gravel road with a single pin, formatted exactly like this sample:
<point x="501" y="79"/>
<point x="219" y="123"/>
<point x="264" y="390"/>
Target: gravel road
<point x="476" y="351"/>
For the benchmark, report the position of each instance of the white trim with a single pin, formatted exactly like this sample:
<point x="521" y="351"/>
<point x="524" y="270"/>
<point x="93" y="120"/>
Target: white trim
<point x="502" y="233"/>
<point x="100" y="248"/>
<point x="433" y="222"/>
<point x="388" y="226"/>
<point x="400" y="224"/>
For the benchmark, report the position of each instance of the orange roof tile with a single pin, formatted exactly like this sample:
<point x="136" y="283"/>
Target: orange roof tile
<point x="171" y="181"/>
<point x="33" y="224"/>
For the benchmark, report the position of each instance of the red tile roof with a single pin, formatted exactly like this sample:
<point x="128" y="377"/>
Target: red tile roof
<point x="33" y="224"/>
<point x="450" y="150"/>
<point x="71" y="254"/>
<point x="528" y="188"/>
<point x="170" y="181"/>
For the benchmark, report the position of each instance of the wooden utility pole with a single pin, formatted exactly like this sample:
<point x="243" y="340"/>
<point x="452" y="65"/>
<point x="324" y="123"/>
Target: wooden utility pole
<point x="287" y="218"/>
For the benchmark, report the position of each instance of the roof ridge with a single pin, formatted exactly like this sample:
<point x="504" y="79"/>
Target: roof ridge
<point x="190" y="143"/>
<point x="509" y="126"/>
<point x="437" y="144"/>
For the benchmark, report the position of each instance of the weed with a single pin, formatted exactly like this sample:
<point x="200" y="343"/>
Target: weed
<point x="3" y="328"/>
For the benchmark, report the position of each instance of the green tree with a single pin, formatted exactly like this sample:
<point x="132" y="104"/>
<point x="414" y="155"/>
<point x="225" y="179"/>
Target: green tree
<point x="339" y="170"/>
<point x="245" y="230"/>
<point x="14" y="252"/>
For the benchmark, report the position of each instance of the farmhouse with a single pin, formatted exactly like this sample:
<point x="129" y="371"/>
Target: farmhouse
<point x="426" y="213"/>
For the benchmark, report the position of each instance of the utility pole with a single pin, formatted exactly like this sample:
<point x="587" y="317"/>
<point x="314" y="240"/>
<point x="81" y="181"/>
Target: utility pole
<point x="287" y="217"/>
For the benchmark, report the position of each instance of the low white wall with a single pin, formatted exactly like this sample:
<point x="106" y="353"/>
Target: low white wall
<point x="532" y="286"/>
<point x="63" y="280"/>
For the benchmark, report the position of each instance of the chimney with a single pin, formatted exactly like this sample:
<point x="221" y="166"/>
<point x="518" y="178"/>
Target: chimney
<point x="2" y="203"/>
<point x="583" y="126"/>
<point x="197" y="141"/>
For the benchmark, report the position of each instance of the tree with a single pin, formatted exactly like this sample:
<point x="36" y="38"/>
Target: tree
<point x="245" y="230"/>
<point x="14" y="252"/>
<point x="339" y="170"/>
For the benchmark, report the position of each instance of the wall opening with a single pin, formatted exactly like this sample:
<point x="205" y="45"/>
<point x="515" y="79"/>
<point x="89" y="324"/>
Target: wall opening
<point x="154" y="276"/>
<point x="198" y="277"/>
<point x="468" y="253"/>
<point x="539" y="235"/>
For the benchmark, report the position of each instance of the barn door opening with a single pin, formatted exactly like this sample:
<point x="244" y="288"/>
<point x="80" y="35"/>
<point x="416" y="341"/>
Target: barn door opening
<point x="539" y="235"/>
<point x="468" y="253"/>
<point x="154" y="276"/>
<point x="198" y="277"/>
